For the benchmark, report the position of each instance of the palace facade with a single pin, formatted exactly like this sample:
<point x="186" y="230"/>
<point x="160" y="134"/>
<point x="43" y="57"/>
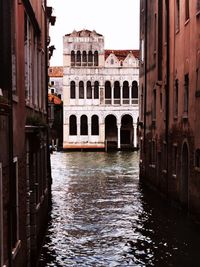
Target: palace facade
<point x="100" y="94"/>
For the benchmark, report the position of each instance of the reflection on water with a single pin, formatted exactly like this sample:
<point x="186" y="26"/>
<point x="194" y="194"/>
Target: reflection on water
<point x="102" y="216"/>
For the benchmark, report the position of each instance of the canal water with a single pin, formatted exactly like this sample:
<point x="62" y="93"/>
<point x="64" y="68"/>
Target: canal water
<point x="103" y="217"/>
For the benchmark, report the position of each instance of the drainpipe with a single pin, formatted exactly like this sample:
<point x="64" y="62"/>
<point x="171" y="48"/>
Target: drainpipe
<point x="167" y="85"/>
<point x="145" y="75"/>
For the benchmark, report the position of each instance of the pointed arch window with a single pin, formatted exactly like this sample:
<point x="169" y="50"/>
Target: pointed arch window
<point x="84" y="125"/>
<point x="89" y="90"/>
<point x="72" y="90"/>
<point x="90" y="58"/>
<point x="78" y="58"/>
<point x="84" y="58"/>
<point x="72" y="58"/>
<point x="72" y="125"/>
<point x="95" y="125"/>
<point x="96" y="90"/>
<point x="134" y="89"/>
<point x="81" y="90"/>
<point x="107" y="90"/>
<point x="116" y="89"/>
<point x="96" y="58"/>
<point x="125" y="89"/>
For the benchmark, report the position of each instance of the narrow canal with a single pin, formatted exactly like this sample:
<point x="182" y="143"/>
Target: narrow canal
<point x="102" y="217"/>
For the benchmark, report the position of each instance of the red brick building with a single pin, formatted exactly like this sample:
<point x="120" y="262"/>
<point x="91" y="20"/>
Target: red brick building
<point x="25" y="176"/>
<point x="170" y="99"/>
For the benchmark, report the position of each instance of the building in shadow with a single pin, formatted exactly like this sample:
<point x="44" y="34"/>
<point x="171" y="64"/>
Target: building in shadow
<point x="25" y="174"/>
<point x="170" y="99"/>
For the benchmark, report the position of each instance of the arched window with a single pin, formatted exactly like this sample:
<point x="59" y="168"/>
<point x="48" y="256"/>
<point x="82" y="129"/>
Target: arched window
<point x="89" y="90"/>
<point x="84" y="58"/>
<point x="72" y="89"/>
<point x="72" y="58"/>
<point x="134" y="89"/>
<point x="81" y="90"/>
<point x="116" y="89"/>
<point x="125" y="89"/>
<point x="78" y="58"/>
<point x="84" y="125"/>
<point x="95" y="125"/>
<point x="107" y="89"/>
<point x="72" y="125"/>
<point x="96" y="58"/>
<point x="96" y="90"/>
<point x="197" y="158"/>
<point x="90" y="58"/>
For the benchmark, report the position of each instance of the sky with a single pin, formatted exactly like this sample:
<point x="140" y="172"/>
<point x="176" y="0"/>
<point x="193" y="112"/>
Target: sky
<point x="116" y="20"/>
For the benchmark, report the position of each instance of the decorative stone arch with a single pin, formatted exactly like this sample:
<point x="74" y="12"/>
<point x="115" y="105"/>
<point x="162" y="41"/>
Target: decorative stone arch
<point x="184" y="177"/>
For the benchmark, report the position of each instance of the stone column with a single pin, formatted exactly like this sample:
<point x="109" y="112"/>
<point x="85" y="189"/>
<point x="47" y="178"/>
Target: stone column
<point x="130" y="98"/>
<point x="135" y="135"/>
<point x="121" y="95"/>
<point x="112" y="95"/>
<point x="119" y="135"/>
<point x="78" y="128"/>
<point x="89" y="129"/>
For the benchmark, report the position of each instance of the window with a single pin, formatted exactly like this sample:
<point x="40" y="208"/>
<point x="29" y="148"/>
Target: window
<point x="187" y="10"/>
<point x="72" y="125"/>
<point x="96" y="58"/>
<point x="112" y="61"/>
<point x="84" y="125"/>
<point x="72" y="58"/>
<point x="72" y="90"/>
<point x="84" y="58"/>
<point x="116" y="89"/>
<point x="197" y="158"/>
<point x="107" y="90"/>
<point x="28" y="58"/>
<point x="134" y="89"/>
<point x="81" y="90"/>
<point x="125" y="89"/>
<point x="89" y="90"/>
<point x="52" y="82"/>
<point x="177" y="17"/>
<point x="176" y="98"/>
<point x="186" y="93"/>
<point x="90" y="58"/>
<point x="95" y="125"/>
<point x="78" y="58"/>
<point x="96" y="90"/>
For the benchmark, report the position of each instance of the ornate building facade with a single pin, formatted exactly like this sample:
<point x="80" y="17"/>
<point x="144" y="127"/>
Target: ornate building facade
<point x="100" y="93"/>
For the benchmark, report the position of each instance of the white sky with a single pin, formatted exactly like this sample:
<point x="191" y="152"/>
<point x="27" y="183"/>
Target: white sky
<point x="116" y="20"/>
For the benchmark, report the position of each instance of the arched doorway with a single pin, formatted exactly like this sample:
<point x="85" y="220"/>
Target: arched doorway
<point x="111" y="131"/>
<point x="126" y="132"/>
<point x="184" y="175"/>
